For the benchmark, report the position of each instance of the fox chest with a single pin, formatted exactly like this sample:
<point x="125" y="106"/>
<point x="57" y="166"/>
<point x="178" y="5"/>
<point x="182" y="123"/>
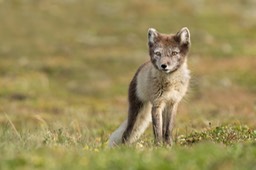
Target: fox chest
<point x="161" y="89"/>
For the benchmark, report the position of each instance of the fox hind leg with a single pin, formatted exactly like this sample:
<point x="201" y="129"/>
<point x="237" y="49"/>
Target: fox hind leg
<point x="137" y="124"/>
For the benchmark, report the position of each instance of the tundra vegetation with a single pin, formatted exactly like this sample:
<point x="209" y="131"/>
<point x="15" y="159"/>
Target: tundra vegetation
<point x="65" y="67"/>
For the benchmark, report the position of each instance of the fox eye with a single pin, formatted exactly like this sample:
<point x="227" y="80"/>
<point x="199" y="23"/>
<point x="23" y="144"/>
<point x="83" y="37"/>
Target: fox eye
<point x="157" y="53"/>
<point x="174" y="53"/>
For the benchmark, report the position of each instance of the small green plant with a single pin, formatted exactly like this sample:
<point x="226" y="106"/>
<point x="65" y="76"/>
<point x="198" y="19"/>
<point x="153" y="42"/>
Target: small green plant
<point x="225" y="134"/>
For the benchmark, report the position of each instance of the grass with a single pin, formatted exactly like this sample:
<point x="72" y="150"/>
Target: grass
<point x="65" y="67"/>
<point x="67" y="148"/>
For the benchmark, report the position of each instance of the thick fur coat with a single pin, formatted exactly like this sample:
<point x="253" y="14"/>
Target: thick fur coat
<point x="156" y="89"/>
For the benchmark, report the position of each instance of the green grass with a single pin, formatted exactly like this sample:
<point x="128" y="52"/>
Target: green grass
<point x="230" y="146"/>
<point x="65" y="67"/>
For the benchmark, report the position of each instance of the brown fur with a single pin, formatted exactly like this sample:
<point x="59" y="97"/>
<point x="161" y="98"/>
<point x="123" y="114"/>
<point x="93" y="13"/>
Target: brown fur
<point x="135" y="106"/>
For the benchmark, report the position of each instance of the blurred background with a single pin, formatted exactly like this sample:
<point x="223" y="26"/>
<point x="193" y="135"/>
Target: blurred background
<point x="66" y="61"/>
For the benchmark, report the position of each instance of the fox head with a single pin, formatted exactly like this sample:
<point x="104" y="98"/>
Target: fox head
<point x="168" y="51"/>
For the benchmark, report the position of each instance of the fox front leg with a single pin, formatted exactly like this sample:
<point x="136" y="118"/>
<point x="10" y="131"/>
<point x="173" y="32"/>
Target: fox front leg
<point x="170" y="119"/>
<point x="157" y="121"/>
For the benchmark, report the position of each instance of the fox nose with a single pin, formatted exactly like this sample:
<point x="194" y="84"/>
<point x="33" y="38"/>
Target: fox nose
<point x="164" y="66"/>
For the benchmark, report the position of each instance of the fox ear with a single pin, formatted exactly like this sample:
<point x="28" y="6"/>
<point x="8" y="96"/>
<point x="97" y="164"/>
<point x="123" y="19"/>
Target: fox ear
<point x="184" y="36"/>
<point x="152" y="35"/>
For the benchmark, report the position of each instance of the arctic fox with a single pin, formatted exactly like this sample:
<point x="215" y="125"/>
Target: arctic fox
<point x="156" y="89"/>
